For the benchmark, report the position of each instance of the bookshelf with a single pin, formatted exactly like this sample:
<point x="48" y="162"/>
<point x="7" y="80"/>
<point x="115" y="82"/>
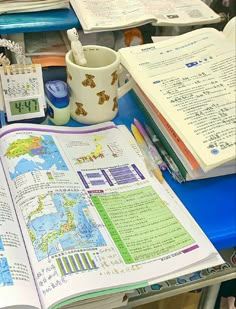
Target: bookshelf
<point x="38" y="21"/>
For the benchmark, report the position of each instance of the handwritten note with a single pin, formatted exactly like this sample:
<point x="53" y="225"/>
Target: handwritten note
<point x="205" y="108"/>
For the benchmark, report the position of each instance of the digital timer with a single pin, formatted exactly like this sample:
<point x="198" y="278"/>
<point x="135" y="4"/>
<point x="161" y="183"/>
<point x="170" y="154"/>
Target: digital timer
<point x="23" y="93"/>
<point x="25" y="106"/>
<point x="29" y="109"/>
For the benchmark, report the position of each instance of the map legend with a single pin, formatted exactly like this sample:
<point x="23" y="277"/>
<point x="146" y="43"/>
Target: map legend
<point x="75" y="263"/>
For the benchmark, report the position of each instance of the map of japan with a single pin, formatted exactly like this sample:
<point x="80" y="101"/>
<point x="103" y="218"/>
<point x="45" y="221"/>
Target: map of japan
<point x="58" y="222"/>
<point x="33" y="153"/>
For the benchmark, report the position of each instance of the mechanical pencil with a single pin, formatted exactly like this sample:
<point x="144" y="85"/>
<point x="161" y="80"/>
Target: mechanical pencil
<point x="150" y="163"/>
<point x="172" y="167"/>
<point x="152" y="149"/>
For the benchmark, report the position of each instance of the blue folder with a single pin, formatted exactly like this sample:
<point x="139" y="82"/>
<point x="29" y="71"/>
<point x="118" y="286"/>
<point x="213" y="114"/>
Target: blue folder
<point x="61" y="19"/>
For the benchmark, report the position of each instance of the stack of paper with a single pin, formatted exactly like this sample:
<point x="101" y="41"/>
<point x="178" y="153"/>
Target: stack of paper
<point x="18" y="6"/>
<point x="187" y="85"/>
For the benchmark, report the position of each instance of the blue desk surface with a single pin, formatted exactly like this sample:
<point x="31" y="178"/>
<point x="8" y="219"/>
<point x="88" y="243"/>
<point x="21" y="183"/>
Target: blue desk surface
<point x="212" y="202"/>
<point x="38" y="21"/>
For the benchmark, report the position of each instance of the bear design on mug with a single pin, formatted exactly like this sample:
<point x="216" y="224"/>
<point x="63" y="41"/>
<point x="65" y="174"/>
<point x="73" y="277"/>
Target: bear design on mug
<point x="89" y="81"/>
<point x="68" y="74"/>
<point x="115" y="105"/>
<point x="114" y="77"/>
<point x="102" y="97"/>
<point x="80" y="110"/>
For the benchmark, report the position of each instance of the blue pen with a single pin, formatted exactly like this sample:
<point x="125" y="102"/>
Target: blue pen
<point x="152" y="149"/>
<point x="171" y="166"/>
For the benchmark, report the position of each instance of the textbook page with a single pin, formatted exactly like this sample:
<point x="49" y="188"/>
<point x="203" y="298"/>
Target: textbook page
<point x="121" y="14"/>
<point x="202" y="265"/>
<point x="191" y="81"/>
<point x="230" y="30"/>
<point x="15" y="272"/>
<point x="90" y="212"/>
<point x="181" y="12"/>
<point x="178" y="147"/>
<point x="185" y="156"/>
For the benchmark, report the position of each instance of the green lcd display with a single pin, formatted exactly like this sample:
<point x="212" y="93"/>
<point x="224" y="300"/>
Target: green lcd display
<point x="27" y="106"/>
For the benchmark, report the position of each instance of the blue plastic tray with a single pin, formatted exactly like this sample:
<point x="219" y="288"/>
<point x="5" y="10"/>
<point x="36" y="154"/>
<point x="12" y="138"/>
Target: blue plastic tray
<point x="39" y="21"/>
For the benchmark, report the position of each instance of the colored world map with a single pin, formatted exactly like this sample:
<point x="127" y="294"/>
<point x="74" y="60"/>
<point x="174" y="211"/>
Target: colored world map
<point x="33" y="153"/>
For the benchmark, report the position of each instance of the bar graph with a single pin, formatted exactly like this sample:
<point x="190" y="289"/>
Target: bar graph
<point x="75" y="263"/>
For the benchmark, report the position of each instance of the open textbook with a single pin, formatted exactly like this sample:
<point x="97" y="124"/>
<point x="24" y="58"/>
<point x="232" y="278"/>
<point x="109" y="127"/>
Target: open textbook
<point x="187" y="164"/>
<point x="81" y="217"/>
<point x="106" y="15"/>
<point x="190" y="79"/>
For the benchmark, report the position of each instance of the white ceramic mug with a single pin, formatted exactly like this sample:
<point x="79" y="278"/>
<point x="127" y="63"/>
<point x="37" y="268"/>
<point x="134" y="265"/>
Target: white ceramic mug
<point x="93" y="88"/>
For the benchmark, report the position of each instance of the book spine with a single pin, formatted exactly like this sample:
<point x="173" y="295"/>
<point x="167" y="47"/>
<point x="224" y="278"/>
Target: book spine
<point x="159" y="134"/>
<point x="188" y="155"/>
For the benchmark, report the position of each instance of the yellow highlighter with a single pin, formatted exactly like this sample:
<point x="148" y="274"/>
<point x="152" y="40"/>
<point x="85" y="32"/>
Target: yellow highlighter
<point x="151" y="165"/>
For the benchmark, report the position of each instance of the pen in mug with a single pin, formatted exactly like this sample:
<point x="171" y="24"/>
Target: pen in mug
<point x="150" y="163"/>
<point x="172" y="167"/>
<point x="152" y="149"/>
